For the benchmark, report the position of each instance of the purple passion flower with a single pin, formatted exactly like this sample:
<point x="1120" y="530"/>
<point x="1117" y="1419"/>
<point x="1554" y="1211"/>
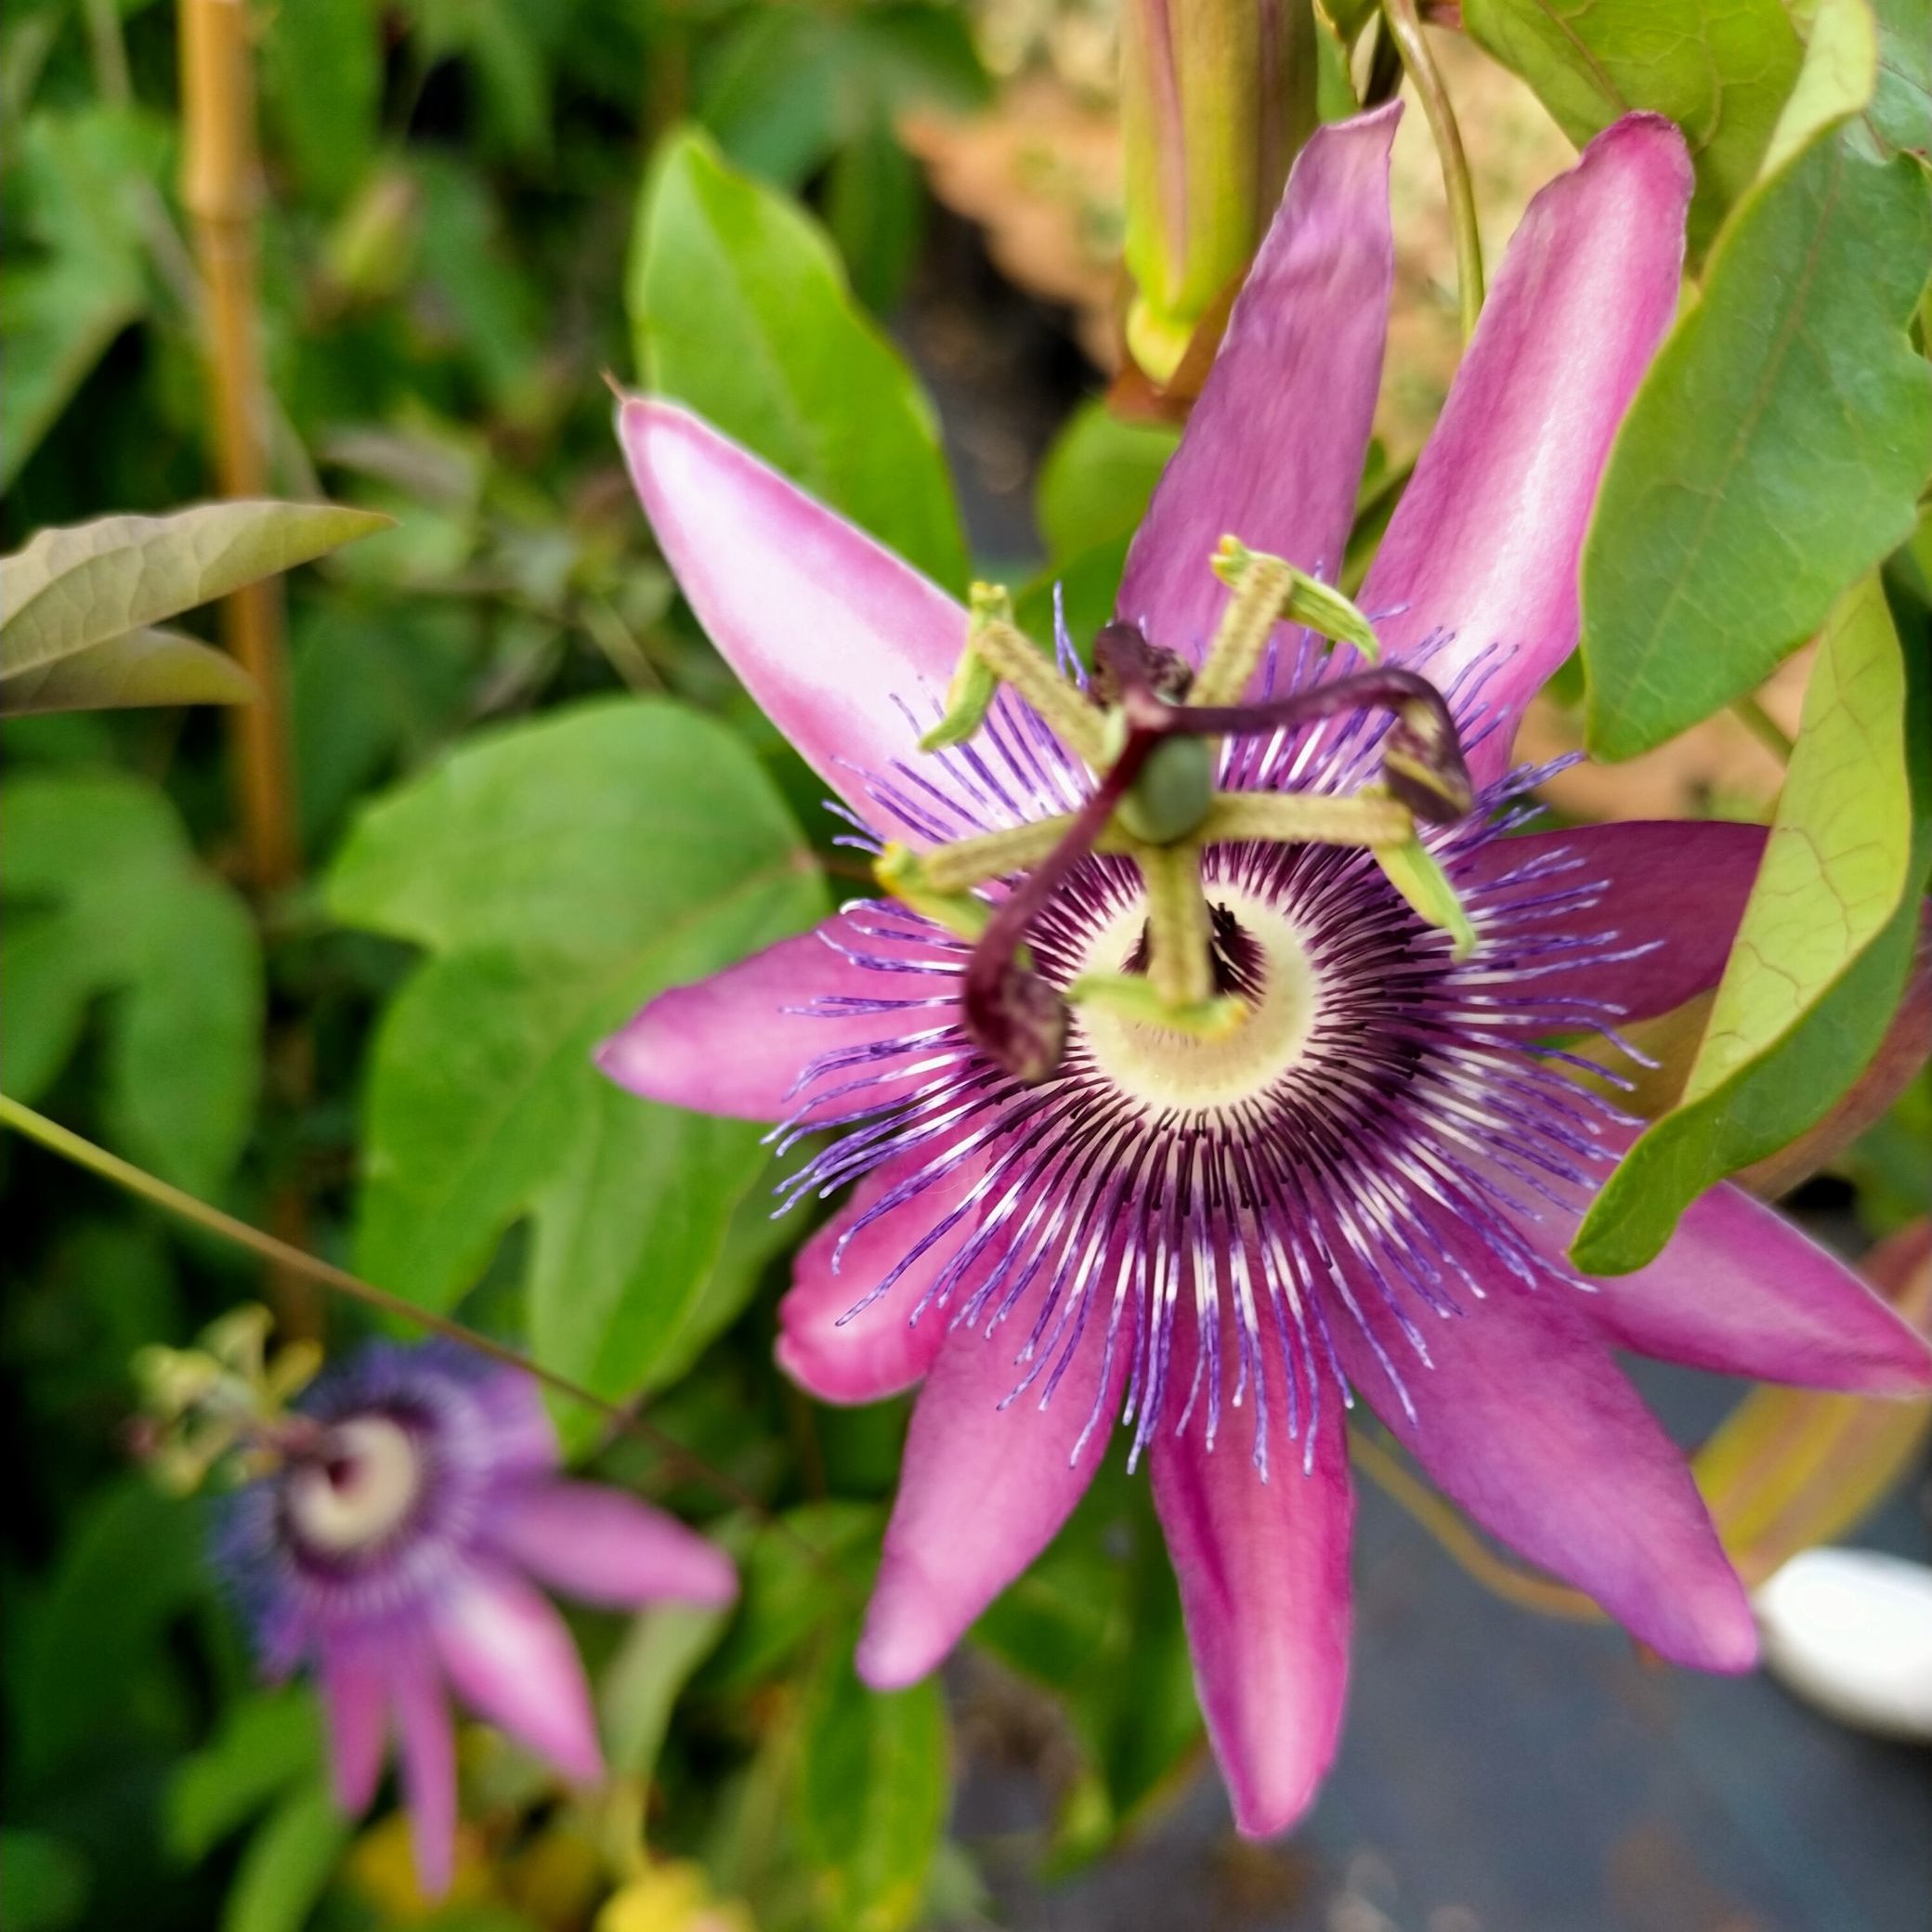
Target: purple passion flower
<point x="1367" y="1188"/>
<point x="392" y="1552"/>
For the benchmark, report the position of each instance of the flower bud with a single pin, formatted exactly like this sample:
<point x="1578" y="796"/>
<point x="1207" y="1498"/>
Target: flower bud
<point x="1216" y="96"/>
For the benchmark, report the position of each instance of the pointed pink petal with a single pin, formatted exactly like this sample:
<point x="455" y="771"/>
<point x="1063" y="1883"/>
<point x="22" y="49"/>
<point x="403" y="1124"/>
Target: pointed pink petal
<point x="1263" y="1570"/>
<point x="1527" y="1424"/>
<point x="353" y="1708"/>
<point x="428" y="1747"/>
<point x="1488" y="537"/>
<point x="881" y="1350"/>
<point x="1273" y="449"/>
<point x="1677" y="888"/>
<point x="825" y="626"/>
<point x="1739" y="1291"/>
<point x="522" y="1437"/>
<point x="982" y="1489"/>
<point x="604" y="1546"/>
<point x="509" y="1657"/>
<point x="732" y="1044"/>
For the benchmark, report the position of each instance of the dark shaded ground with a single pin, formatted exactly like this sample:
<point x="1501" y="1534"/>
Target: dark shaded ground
<point x="1503" y="1773"/>
<point x="1500" y="1772"/>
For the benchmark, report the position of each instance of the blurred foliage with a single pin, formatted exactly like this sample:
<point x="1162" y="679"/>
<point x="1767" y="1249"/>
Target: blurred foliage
<point x="529" y="794"/>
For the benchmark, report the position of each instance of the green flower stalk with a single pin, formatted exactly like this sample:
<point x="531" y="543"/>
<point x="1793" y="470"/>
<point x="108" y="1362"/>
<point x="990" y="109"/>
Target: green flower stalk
<point x="1216" y="98"/>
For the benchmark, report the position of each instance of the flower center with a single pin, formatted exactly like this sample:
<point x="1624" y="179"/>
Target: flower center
<point x="359" y="1490"/>
<point x="1261" y="957"/>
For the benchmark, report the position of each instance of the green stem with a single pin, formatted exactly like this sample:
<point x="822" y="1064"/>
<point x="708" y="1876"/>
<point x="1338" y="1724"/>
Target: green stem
<point x="69" y="1146"/>
<point x="1405" y="29"/>
<point x="1764" y="728"/>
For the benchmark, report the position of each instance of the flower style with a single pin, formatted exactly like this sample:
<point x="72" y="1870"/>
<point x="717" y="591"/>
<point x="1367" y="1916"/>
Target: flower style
<point x="416" y="1493"/>
<point x="1365" y="1187"/>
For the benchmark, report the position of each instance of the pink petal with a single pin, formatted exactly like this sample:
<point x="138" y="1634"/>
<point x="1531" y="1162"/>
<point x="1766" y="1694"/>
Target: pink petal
<point x="732" y="1043"/>
<point x="1527" y="1424"/>
<point x="510" y="1658"/>
<point x="1263" y="1570"/>
<point x="606" y="1547"/>
<point x="1741" y="1291"/>
<point x="1488" y="537"/>
<point x="1273" y="449"/>
<point x="522" y="1437"/>
<point x="982" y="1489"/>
<point x="353" y="1708"/>
<point x="428" y="1745"/>
<point x="1678" y="888"/>
<point x="881" y="1350"/>
<point x="824" y="625"/>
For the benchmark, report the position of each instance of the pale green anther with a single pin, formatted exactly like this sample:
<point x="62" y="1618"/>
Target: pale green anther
<point x="1305" y="600"/>
<point x="1015" y="657"/>
<point x="1132" y="996"/>
<point x="1170" y="796"/>
<point x="951" y="869"/>
<point x="899" y="870"/>
<point x="1413" y="871"/>
<point x="1306" y="819"/>
<point x="974" y="684"/>
<point x="1261" y="585"/>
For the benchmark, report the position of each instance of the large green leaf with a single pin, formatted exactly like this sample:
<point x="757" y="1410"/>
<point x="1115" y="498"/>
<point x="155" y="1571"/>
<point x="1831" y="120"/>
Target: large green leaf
<point x="872" y="1794"/>
<point x="264" y="1744"/>
<point x="563" y="872"/>
<point x="148" y="667"/>
<point x="1775" y="451"/>
<point x="288" y="1863"/>
<point x="75" y="588"/>
<point x="1720" y="69"/>
<point x="1098" y="478"/>
<point x="322" y="82"/>
<point x="1823" y="950"/>
<point x="106" y="897"/>
<point x="739" y="307"/>
<point x="73" y="277"/>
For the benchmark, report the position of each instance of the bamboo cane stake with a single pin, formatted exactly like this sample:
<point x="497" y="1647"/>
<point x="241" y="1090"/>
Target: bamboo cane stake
<point x="221" y="190"/>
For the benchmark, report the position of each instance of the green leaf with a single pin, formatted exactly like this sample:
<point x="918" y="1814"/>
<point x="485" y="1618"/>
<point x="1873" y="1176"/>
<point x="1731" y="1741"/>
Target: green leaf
<point x="1720" y="69"/>
<point x="46" y="1881"/>
<point x="131" y="1565"/>
<point x="1098" y="480"/>
<point x="1823" y="951"/>
<point x="73" y="276"/>
<point x="872" y="1794"/>
<point x="740" y="308"/>
<point x="1774" y="452"/>
<point x="143" y="667"/>
<point x="266" y="1743"/>
<point x="74" y="588"/>
<point x="322" y="82"/>
<point x="875" y="207"/>
<point x="1900" y="113"/>
<point x="287" y="1865"/>
<point x="798" y="1574"/>
<point x="115" y="903"/>
<point x="587" y="833"/>
<point x="642" y="1681"/>
<point x="563" y="872"/>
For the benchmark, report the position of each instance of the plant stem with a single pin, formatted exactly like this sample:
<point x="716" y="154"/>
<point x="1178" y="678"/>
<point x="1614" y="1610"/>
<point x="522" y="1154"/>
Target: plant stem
<point x="1405" y="29"/>
<point x="1764" y="728"/>
<point x="71" y="1146"/>
<point x="221" y="188"/>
